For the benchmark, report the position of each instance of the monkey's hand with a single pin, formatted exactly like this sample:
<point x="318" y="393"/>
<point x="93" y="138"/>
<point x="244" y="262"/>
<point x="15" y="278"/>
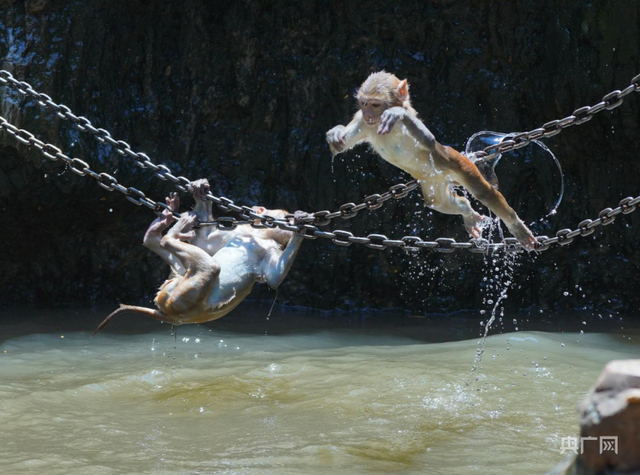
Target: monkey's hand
<point x="302" y="217"/>
<point x="389" y="118"/>
<point x="337" y="139"/>
<point x="199" y="188"/>
<point x="182" y="230"/>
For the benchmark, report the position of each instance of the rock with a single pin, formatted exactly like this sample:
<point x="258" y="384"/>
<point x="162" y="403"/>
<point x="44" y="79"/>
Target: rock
<point x="612" y="409"/>
<point x="609" y="425"/>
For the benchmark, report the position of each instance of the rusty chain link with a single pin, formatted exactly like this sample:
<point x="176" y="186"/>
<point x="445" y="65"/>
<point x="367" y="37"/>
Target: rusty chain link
<point x="579" y="116"/>
<point x="321" y="218"/>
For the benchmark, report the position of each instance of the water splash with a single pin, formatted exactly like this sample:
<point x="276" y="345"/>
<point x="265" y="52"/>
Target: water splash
<point x="498" y="275"/>
<point x="480" y="140"/>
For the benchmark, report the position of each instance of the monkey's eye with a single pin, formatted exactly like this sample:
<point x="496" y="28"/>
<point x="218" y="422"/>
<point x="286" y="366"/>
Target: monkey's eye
<point x="376" y="104"/>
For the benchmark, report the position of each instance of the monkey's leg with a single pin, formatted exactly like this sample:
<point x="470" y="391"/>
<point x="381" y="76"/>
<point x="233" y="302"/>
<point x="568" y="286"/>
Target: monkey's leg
<point x="496" y="202"/>
<point x="148" y="312"/>
<point x="154" y="233"/>
<point x="153" y="236"/>
<point x="442" y="198"/>
<point x="201" y="271"/>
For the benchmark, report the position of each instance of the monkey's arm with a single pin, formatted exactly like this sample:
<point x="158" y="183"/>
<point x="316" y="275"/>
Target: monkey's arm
<point x="342" y="138"/>
<point x="277" y="263"/>
<point x="416" y="128"/>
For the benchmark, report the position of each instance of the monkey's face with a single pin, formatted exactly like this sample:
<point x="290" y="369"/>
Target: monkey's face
<point x="276" y="213"/>
<point x="372" y="108"/>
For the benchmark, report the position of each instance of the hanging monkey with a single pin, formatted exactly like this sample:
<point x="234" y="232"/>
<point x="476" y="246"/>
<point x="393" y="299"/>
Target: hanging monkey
<point x="212" y="271"/>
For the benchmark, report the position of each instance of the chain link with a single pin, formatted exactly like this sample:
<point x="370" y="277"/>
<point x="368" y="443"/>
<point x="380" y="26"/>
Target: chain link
<point x="348" y="210"/>
<point x="579" y="116"/>
<point x="164" y="173"/>
<point x="81" y="168"/>
<point x="101" y="135"/>
<point x="303" y="227"/>
<point x="309" y="231"/>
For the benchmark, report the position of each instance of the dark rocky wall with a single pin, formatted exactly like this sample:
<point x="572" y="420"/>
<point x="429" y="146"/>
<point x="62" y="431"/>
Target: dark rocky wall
<point x="243" y="93"/>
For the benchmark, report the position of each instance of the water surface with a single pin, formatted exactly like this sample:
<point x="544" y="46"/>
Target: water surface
<point x="300" y="393"/>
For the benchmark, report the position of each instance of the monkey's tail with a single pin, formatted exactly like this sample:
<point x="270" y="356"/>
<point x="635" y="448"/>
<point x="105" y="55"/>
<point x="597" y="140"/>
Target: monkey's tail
<point x="148" y="312"/>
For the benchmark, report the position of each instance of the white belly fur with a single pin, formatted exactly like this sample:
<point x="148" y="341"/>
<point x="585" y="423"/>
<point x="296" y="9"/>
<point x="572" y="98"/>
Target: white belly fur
<point x="403" y="151"/>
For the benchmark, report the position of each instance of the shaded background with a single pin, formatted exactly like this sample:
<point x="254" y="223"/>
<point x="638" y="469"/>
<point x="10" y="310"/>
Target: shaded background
<point x="243" y="92"/>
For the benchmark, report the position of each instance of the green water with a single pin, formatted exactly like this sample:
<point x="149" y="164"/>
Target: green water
<point x="313" y="395"/>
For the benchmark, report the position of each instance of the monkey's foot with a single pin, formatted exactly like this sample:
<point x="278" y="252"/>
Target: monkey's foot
<point x="154" y="232"/>
<point x="472" y="224"/>
<point x="183" y="229"/>
<point x="524" y="236"/>
<point x="173" y="201"/>
<point x="199" y="189"/>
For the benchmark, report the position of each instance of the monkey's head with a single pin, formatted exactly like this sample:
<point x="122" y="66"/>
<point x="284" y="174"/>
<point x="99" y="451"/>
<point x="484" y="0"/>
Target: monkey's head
<point x="276" y="213"/>
<point x="379" y="92"/>
<point x="281" y="236"/>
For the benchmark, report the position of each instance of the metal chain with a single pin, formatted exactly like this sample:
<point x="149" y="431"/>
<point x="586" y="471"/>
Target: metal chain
<point x="321" y="218"/>
<point x="579" y="116"/>
<point x="81" y="168"/>
<point x="308" y="231"/>
<point x="371" y="202"/>
<point x="348" y="210"/>
<point x="101" y="135"/>
<point x="448" y="245"/>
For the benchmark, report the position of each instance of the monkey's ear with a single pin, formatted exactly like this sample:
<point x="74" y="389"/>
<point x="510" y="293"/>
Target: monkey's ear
<point x="403" y="90"/>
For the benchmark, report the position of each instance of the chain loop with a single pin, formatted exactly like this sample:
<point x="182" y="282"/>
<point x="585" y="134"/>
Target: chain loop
<point x="306" y="229"/>
<point x="341" y="238"/>
<point x="563" y="237"/>
<point x="376" y="241"/>
<point x="607" y="217"/>
<point x="347" y="210"/>
<point x="626" y="206"/>
<point x="410" y="241"/>
<point x="579" y="116"/>
<point x="311" y="231"/>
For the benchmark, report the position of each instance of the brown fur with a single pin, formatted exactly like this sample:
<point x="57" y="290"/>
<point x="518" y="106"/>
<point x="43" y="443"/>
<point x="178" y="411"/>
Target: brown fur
<point x="384" y="100"/>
